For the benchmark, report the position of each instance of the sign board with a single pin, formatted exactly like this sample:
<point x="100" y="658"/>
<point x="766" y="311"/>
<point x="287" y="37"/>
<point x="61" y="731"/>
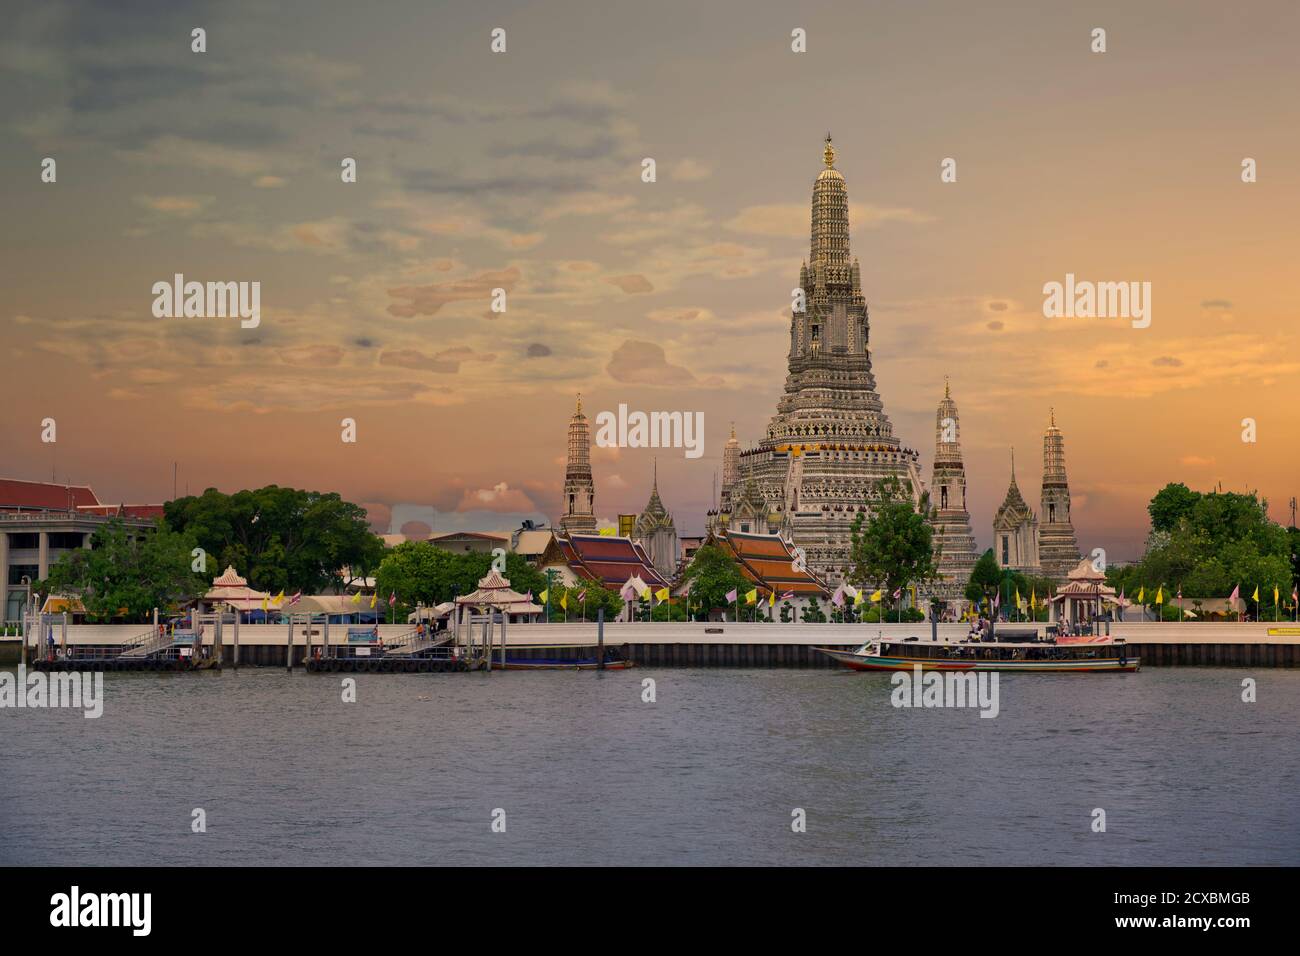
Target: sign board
<point x="363" y="652"/>
<point x="626" y="524"/>
<point x="1284" y="632"/>
<point x="187" y="652"/>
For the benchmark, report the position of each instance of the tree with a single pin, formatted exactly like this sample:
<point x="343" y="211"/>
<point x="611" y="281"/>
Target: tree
<point x="281" y="538"/>
<point x="894" y="546"/>
<point x="712" y="574"/>
<point x="985" y="578"/>
<point x="126" y="573"/>
<point x="419" y="572"/>
<point x="1171" y="505"/>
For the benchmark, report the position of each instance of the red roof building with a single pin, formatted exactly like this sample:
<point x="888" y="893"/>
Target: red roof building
<point x="768" y="561"/>
<point x="607" y="560"/>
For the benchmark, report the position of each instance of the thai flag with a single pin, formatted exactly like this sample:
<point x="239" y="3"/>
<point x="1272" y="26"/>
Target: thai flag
<point x="787" y="596"/>
<point x="582" y="595"/>
<point x="898" y="594"/>
<point x="627" y="592"/>
<point x="297" y="596"/>
<point x="838" y="597"/>
<point x="392" y="598"/>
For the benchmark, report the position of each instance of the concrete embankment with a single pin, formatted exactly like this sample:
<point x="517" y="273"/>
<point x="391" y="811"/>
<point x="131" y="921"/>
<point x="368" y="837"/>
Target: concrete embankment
<point x="729" y="644"/>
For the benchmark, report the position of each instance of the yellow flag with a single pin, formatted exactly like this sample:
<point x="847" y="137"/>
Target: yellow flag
<point x="875" y="597"/>
<point x="279" y="598"/>
<point x="264" y="603"/>
<point x="1160" y="594"/>
<point x="564" y="601"/>
<point x="1275" y="594"/>
<point x="662" y="594"/>
<point x="771" y="598"/>
<point x="1017" y="595"/>
<point x="857" y="597"/>
<point x="1033" y="599"/>
<point x="751" y="596"/>
<point x="1142" y="593"/>
<point x="544" y="595"/>
<point x="1255" y="596"/>
<point x="356" y="598"/>
<point x="373" y="598"/>
<point x="609" y="532"/>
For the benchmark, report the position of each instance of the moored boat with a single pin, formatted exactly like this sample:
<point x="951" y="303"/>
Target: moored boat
<point x="544" y="664"/>
<point x="904" y="655"/>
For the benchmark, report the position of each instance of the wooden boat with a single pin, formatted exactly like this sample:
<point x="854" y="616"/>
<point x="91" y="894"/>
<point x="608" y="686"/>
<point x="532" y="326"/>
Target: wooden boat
<point x="883" y="655"/>
<point x="545" y="664"/>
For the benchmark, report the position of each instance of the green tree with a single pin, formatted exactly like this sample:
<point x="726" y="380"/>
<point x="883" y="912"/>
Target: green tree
<point x="1171" y="505"/>
<point x="281" y="537"/>
<point x="126" y="573"/>
<point x="985" y="578"/>
<point x="893" y="547"/>
<point x="714" y="572"/>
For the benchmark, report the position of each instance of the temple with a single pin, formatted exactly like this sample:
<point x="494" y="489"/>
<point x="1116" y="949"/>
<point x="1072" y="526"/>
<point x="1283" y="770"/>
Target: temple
<point x="1058" y="549"/>
<point x="1015" y="530"/>
<point x="579" y="490"/>
<point x="656" y="533"/>
<point x="954" y="544"/>
<point x="830" y="442"/>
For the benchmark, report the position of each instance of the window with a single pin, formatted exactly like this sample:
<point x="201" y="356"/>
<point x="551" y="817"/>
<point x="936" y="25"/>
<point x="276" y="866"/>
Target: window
<point x="1051" y="512"/>
<point x="943" y="497"/>
<point x="1006" y="557"/>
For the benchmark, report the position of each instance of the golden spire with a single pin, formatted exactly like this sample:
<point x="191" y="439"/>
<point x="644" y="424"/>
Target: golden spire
<point x="828" y="154"/>
<point x="946" y="393"/>
<point x="733" y="429"/>
<point x="1052" y="413"/>
<point x="580" y="403"/>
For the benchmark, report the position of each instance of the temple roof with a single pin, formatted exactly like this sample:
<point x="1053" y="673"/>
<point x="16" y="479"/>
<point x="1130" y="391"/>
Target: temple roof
<point x="768" y="561"/>
<point x="608" y="560"/>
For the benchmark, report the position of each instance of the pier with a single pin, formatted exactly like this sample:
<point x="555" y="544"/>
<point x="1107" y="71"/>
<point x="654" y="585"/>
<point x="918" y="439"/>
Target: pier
<point x="319" y="646"/>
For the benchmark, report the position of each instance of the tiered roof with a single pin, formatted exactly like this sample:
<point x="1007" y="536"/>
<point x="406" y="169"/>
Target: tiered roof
<point x="768" y="561"/>
<point x="608" y="560"/>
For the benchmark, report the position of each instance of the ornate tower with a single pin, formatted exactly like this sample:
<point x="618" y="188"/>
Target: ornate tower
<point x="830" y="442"/>
<point x="1058" y="547"/>
<point x="658" y="535"/>
<point x="579" y="490"/>
<point x="1015" y="530"/>
<point x="953" y="542"/>
<point x="730" y="468"/>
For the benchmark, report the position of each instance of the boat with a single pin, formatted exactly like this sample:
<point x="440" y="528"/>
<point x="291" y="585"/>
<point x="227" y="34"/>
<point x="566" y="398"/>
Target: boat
<point x="907" y="654"/>
<point x="552" y="664"/>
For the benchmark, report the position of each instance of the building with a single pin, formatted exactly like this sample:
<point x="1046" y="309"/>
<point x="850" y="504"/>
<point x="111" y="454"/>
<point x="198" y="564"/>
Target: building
<point x="830" y="442"/>
<point x="604" y="559"/>
<point x="1058" y="549"/>
<point x="579" y="489"/>
<point x="471" y="542"/>
<point x="40" y="521"/>
<point x="655" y="532"/>
<point x="954" y="544"/>
<point x="770" y="564"/>
<point x="1015" y="530"/>
<point x="530" y="543"/>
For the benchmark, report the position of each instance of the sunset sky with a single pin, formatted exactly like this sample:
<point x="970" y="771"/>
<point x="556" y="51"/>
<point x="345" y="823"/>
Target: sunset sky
<point x="522" y="170"/>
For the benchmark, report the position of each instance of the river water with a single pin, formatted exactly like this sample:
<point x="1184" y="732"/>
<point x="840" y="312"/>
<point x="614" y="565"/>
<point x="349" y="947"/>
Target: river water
<point x="586" y="772"/>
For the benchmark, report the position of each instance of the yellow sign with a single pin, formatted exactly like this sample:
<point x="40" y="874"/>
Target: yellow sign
<point x="1284" y="632"/>
<point x="626" y="523"/>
